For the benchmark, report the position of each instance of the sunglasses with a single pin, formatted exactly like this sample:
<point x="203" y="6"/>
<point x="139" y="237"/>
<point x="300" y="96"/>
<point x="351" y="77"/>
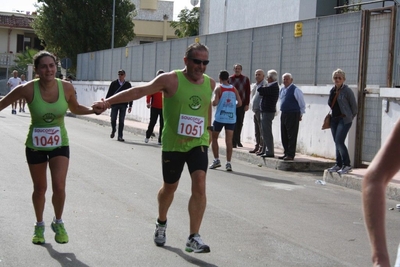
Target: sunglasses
<point x="198" y="61"/>
<point x="337" y="78"/>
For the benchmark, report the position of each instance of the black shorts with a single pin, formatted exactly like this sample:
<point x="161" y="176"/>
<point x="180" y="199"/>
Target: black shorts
<point x="219" y="125"/>
<point x="39" y="156"/>
<point x="173" y="163"/>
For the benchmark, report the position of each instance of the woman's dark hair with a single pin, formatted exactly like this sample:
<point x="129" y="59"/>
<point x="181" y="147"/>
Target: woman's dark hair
<point x="40" y="55"/>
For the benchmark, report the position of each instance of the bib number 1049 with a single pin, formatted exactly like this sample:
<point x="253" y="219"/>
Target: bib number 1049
<point x="46" y="137"/>
<point x="192" y="126"/>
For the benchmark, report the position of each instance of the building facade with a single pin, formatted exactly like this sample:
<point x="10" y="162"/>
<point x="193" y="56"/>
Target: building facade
<point x="231" y="15"/>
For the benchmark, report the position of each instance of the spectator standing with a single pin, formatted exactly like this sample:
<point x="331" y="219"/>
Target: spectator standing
<point x="344" y="110"/>
<point x="270" y="96"/>
<point x="256" y="107"/>
<point x="292" y="109"/>
<point x="117" y="86"/>
<point x="226" y="99"/>
<point x="154" y="103"/>
<point x="11" y="84"/>
<point x="242" y="84"/>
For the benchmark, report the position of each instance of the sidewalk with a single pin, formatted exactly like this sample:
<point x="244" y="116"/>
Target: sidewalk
<point x="301" y="163"/>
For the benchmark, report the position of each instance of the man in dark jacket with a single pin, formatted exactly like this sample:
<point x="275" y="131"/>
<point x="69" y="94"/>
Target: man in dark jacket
<point x="270" y="95"/>
<point x="115" y="87"/>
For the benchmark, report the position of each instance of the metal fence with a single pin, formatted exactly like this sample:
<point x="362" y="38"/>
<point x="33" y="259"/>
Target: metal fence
<point x="327" y="43"/>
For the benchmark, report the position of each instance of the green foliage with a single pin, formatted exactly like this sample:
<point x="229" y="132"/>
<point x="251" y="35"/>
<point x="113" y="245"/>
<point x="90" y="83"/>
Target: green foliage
<point x="22" y="60"/>
<point x="70" y="27"/>
<point x="188" y="23"/>
<point x="352" y="8"/>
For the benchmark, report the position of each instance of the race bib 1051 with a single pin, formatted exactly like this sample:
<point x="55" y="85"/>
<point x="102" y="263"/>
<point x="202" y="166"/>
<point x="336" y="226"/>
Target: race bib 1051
<point x="192" y="126"/>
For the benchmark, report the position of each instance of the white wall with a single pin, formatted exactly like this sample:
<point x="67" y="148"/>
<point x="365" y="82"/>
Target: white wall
<point x="311" y="139"/>
<point x="238" y="14"/>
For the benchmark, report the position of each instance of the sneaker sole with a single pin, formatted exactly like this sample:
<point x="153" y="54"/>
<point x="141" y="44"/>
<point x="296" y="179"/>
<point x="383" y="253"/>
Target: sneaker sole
<point x="159" y="244"/>
<point x="58" y="241"/>
<point x="205" y="250"/>
<point x="39" y="242"/>
<point x="214" y="167"/>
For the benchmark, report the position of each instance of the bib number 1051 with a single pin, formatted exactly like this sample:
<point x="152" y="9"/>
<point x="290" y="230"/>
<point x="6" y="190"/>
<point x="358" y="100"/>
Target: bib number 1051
<point x="46" y="137"/>
<point x="192" y="126"/>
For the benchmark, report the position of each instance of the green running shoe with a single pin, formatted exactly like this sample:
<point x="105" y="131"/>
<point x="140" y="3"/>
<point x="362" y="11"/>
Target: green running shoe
<point x="38" y="235"/>
<point x="61" y="235"/>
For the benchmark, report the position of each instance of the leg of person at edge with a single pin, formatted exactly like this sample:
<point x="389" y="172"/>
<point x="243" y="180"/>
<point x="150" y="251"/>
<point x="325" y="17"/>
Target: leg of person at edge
<point x="242" y="84"/>
<point x="183" y="90"/>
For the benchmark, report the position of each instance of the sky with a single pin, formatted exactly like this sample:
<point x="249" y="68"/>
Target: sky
<point x="28" y="5"/>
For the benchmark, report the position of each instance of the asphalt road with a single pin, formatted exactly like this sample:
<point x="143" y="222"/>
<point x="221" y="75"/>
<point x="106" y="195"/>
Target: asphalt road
<point x="255" y="216"/>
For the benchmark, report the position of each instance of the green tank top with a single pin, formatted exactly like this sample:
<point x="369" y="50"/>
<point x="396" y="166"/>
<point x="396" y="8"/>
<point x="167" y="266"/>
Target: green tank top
<point x="47" y="129"/>
<point x="186" y="115"/>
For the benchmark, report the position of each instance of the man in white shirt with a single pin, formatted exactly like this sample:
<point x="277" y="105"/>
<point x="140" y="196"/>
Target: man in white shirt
<point x="12" y="83"/>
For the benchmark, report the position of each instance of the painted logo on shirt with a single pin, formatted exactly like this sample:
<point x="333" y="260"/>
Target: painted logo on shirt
<point x="195" y="102"/>
<point x="48" y="117"/>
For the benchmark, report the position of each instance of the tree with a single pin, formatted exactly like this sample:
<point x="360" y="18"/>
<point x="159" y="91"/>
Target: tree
<point x="188" y="23"/>
<point x="70" y="27"/>
<point x="23" y="60"/>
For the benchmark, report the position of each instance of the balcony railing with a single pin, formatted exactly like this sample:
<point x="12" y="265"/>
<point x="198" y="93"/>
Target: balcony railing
<point x="7" y="59"/>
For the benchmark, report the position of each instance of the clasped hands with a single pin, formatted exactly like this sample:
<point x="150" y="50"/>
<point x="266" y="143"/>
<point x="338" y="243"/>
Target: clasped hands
<point x="100" y="106"/>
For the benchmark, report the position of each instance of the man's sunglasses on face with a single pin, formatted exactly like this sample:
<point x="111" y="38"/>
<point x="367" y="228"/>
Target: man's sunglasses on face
<point x="198" y="61"/>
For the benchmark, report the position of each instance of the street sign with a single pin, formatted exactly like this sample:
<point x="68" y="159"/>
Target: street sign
<point x="66" y="63"/>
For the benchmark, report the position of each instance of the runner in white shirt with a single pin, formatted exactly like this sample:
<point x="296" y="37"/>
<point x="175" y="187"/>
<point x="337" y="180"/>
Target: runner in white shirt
<point x="12" y="83"/>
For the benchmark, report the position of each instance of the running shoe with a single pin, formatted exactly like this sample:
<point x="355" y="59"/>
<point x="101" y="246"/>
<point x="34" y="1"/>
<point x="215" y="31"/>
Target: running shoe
<point x="334" y="168"/>
<point x="61" y="235"/>
<point x="38" y="235"/>
<point x="228" y="167"/>
<point x="196" y="245"/>
<point x="160" y="235"/>
<point x="216" y="163"/>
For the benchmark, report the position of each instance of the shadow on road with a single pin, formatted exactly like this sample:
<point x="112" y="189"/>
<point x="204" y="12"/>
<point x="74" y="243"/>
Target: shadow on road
<point x="65" y="259"/>
<point x="189" y="258"/>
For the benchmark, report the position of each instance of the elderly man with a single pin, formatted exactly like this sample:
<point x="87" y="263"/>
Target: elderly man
<point x="270" y="95"/>
<point x="292" y="107"/>
<point x="255" y="105"/>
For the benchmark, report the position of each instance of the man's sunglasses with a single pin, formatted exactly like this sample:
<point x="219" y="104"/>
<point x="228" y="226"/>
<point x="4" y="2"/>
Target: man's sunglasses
<point x="198" y="61"/>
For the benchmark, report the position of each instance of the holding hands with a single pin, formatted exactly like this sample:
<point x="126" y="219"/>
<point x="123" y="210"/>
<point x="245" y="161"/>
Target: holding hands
<point x="100" y="106"/>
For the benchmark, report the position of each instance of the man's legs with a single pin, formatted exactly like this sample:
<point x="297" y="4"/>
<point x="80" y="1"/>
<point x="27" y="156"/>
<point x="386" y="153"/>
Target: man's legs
<point x="165" y="197"/>
<point x="198" y="200"/>
<point x="268" y="138"/>
<point x="292" y="127"/>
<point x="113" y="115"/>
<point x="228" y="143"/>
<point x="284" y="134"/>
<point x="238" y="126"/>
<point x="121" y="121"/>
<point x="152" y="123"/>
<point x="257" y="130"/>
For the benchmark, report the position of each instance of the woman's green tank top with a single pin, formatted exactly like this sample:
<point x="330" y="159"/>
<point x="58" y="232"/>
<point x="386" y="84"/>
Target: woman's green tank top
<point x="47" y="129"/>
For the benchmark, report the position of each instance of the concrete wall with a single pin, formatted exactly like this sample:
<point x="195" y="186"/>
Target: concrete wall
<point x="311" y="140"/>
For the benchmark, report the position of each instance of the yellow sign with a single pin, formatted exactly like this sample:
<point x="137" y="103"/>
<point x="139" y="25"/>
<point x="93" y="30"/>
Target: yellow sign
<point x="298" y="29"/>
<point x="197" y="40"/>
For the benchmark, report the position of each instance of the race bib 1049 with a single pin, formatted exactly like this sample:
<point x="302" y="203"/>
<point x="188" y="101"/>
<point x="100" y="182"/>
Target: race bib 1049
<point x="46" y="137"/>
<point x="192" y="126"/>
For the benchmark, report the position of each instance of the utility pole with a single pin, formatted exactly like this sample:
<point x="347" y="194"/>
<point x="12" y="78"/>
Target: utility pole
<point x="113" y="22"/>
